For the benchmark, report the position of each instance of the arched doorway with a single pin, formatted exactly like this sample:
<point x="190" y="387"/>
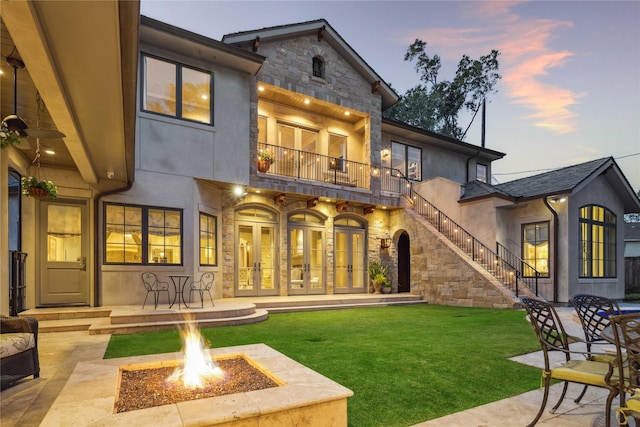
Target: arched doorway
<point x="404" y="263"/>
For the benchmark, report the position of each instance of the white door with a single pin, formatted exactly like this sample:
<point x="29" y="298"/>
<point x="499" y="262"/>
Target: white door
<point x="256" y="260"/>
<point x="349" y="261"/>
<point x="64" y="247"/>
<point x="306" y="260"/>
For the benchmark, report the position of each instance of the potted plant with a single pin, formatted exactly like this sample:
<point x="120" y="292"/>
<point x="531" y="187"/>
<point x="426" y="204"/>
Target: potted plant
<point x="40" y="189"/>
<point x="265" y="158"/>
<point x="378" y="274"/>
<point x="8" y="137"/>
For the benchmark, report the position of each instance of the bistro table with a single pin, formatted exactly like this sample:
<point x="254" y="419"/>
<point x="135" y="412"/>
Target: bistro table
<point x="178" y="286"/>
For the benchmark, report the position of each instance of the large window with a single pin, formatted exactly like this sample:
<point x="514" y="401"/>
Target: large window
<point x="176" y="90"/>
<point x="535" y="248"/>
<point x="597" y="242"/>
<point x="407" y="160"/>
<point x="142" y="235"/>
<point x="208" y="241"/>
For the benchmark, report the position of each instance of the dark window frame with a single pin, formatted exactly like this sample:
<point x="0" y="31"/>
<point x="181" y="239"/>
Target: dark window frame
<point x="587" y="225"/>
<point x="145" y="234"/>
<point x="405" y="149"/>
<point x="318" y="67"/>
<point x="178" y="84"/>
<point x="209" y="233"/>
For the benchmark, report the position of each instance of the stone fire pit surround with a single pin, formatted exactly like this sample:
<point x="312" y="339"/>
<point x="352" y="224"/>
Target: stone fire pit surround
<point x="306" y="398"/>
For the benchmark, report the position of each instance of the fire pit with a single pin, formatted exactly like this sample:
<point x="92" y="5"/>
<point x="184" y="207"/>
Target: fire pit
<point x="302" y="397"/>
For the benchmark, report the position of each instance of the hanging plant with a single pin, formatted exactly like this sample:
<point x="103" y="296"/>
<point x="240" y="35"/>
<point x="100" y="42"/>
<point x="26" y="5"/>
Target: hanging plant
<point x="34" y="187"/>
<point x="8" y="137"/>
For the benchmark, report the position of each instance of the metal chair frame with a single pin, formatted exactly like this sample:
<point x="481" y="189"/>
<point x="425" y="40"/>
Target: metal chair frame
<point x="626" y="331"/>
<point x="595" y="314"/>
<point x="201" y="286"/>
<point x="155" y="286"/>
<point x="552" y="337"/>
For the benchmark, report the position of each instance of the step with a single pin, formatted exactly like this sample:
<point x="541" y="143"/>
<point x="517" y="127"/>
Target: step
<point x="103" y="327"/>
<point x="318" y="301"/>
<point x="120" y="317"/>
<point x="63" y="313"/>
<point x="292" y="309"/>
<point x="66" y="325"/>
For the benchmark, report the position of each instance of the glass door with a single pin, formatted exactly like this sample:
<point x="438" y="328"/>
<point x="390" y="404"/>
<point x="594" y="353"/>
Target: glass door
<point x="255" y="260"/>
<point x="349" y="261"/>
<point x="306" y="260"/>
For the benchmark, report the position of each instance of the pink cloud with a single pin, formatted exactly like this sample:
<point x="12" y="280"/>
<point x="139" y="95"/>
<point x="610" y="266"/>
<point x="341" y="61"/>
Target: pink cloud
<point x="526" y="58"/>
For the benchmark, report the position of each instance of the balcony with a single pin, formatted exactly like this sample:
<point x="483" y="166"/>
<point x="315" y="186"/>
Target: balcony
<point x="314" y="167"/>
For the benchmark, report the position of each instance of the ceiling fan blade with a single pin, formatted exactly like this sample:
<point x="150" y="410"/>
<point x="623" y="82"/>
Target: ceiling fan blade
<point x="44" y="133"/>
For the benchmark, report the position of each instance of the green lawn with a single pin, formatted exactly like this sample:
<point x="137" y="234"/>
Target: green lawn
<point x="405" y="364"/>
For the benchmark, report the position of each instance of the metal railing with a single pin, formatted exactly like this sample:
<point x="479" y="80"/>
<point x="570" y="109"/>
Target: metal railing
<point x="503" y="265"/>
<point x="310" y="166"/>
<point x="17" y="282"/>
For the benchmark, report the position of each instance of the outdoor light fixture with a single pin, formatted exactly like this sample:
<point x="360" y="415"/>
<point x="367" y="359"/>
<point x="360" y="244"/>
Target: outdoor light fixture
<point x="385" y="243"/>
<point x="239" y="191"/>
<point x="385" y="153"/>
<point x="558" y="199"/>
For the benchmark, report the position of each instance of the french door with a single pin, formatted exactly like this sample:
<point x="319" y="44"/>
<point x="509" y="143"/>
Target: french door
<point x="64" y="247"/>
<point x="256" y="259"/>
<point x="349" y="260"/>
<point x="306" y="260"/>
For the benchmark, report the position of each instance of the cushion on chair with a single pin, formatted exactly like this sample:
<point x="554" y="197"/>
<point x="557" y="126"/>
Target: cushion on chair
<point x="15" y="343"/>
<point x="582" y="371"/>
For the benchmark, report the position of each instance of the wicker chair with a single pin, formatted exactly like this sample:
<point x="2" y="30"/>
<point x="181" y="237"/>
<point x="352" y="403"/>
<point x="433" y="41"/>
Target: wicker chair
<point x="626" y="331"/>
<point x="201" y="286"/>
<point x="155" y="287"/>
<point x="19" y="349"/>
<point x="552" y="337"/>
<point x="594" y="313"/>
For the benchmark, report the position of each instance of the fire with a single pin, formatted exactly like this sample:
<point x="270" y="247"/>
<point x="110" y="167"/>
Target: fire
<point x="198" y="367"/>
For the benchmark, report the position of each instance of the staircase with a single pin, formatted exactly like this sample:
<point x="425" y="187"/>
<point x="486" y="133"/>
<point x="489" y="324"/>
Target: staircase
<point x="505" y="266"/>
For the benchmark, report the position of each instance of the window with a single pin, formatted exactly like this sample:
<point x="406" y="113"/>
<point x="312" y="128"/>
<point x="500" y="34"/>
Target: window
<point x="597" y="242"/>
<point x="208" y="241"/>
<point x="142" y="235"/>
<point x="318" y="67"/>
<point x="481" y="172"/>
<point x="407" y="160"/>
<point x="535" y="248"/>
<point x="173" y="89"/>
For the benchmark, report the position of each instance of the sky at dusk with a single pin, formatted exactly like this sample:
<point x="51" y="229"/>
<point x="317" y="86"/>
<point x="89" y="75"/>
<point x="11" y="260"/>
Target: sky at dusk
<point x="570" y="88"/>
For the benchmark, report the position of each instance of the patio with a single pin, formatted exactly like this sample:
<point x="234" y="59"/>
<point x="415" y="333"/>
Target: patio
<point x="28" y="402"/>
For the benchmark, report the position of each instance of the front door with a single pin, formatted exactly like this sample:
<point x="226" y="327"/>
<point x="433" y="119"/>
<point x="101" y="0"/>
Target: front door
<point x="306" y="260"/>
<point x="64" y="246"/>
<point x="256" y="259"/>
<point x="349" y="261"/>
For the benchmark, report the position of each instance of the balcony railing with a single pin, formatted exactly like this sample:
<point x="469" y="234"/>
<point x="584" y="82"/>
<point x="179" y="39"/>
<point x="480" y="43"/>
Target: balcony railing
<point x="305" y="165"/>
<point x="502" y="264"/>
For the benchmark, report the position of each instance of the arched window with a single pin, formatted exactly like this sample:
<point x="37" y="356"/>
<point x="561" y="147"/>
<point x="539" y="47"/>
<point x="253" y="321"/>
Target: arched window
<point x="597" y="242"/>
<point x="318" y="67"/>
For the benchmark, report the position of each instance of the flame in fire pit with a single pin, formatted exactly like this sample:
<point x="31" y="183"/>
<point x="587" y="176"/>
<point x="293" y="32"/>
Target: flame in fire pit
<point x="198" y="367"/>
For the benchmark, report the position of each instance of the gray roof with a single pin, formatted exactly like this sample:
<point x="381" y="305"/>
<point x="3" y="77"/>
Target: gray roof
<point x="559" y="181"/>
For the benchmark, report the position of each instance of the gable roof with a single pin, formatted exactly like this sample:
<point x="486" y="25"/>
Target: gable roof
<point x="244" y="38"/>
<point x="560" y="181"/>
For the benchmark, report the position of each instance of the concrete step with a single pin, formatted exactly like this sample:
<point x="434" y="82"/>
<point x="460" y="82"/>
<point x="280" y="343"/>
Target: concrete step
<point x="66" y="313"/>
<point x="335" y="300"/>
<point x="292" y="309"/>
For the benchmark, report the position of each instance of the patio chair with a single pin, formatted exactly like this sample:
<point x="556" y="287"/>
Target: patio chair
<point x="155" y="287"/>
<point x="626" y="331"/>
<point x="552" y="337"/>
<point x="594" y="313"/>
<point x="201" y="286"/>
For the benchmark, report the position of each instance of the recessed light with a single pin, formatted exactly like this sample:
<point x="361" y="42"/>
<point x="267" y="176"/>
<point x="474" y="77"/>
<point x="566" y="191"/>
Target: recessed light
<point x="258" y="191"/>
<point x="346" y="113"/>
<point x="307" y="102"/>
<point x="204" y="96"/>
<point x="50" y="152"/>
<point x="261" y="88"/>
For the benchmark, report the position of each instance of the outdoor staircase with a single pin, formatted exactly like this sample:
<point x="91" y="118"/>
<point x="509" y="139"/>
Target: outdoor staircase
<point x="225" y="312"/>
<point x="503" y="265"/>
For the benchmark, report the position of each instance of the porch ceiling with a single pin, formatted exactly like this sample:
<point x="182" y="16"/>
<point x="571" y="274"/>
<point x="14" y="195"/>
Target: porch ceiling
<point x="81" y="57"/>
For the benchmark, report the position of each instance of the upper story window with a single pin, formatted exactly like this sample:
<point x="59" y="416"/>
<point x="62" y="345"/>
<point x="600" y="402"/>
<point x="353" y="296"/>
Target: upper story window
<point x="142" y="235"/>
<point x="407" y="160"/>
<point x="481" y="172"/>
<point x="175" y="90"/>
<point x="318" y="67"/>
<point x="597" y="242"/>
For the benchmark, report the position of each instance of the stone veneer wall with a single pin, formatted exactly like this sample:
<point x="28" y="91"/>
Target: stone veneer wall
<point x="442" y="273"/>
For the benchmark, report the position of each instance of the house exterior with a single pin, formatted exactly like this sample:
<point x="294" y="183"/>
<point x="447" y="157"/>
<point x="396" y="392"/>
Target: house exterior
<point x="264" y="159"/>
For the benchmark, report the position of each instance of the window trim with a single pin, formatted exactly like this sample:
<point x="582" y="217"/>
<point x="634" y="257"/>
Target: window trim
<point x="145" y="234"/>
<point x="608" y="258"/>
<point x="522" y="229"/>
<point x="215" y="239"/>
<point x="405" y="150"/>
<point x="179" y="66"/>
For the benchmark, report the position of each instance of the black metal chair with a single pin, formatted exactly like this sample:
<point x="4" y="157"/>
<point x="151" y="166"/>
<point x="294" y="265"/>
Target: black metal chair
<point x="552" y="337"/>
<point x="201" y="286"/>
<point x="626" y="331"/>
<point x="594" y="313"/>
<point x="155" y="287"/>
